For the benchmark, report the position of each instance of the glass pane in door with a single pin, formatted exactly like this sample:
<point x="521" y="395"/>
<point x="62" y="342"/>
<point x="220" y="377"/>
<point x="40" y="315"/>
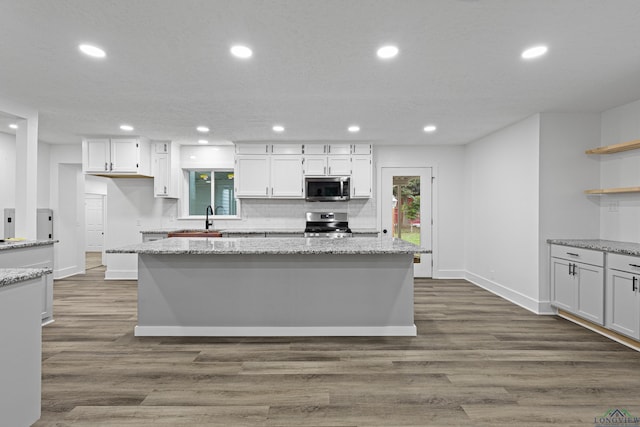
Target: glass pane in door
<point x="406" y="210"/>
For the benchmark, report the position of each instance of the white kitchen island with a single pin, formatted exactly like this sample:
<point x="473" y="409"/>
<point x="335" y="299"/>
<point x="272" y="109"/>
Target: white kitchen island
<point x="275" y="287"/>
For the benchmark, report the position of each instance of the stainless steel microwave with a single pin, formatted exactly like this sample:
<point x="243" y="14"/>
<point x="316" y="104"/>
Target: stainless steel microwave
<point x="328" y="189"/>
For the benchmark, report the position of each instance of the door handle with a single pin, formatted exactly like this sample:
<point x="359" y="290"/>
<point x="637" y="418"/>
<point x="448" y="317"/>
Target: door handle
<point x="634" y="287"/>
<point x="384" y="231"/>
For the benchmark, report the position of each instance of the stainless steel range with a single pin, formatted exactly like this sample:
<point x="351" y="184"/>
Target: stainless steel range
<point x="327" y="224"/>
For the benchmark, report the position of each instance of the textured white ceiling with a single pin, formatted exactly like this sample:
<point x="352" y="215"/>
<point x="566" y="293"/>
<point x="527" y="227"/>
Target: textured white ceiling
<point x="314" y="68"/>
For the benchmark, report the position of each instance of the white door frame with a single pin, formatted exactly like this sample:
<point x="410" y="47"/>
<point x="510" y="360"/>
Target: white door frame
<point x="104" y="215"/>
<point x="434" y="205"/>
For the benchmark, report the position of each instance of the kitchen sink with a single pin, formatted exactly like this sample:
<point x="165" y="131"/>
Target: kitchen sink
<point x="195" y="233"/>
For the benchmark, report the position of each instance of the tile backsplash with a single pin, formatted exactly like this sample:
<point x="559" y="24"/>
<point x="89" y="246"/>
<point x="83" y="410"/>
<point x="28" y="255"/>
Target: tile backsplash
<point x="277" y="214"/>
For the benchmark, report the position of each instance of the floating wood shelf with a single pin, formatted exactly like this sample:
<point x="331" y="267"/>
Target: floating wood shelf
<point x="614" y="190"/>
<point x="616" y="148"/>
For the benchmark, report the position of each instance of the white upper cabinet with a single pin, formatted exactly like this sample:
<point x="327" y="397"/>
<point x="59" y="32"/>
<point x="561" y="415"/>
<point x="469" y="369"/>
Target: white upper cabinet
<point x="338" y="165"/>
<point x="165" y="170"/>
<point x="96" y="155"/>
<point x="116" y="156"/>
<point x="314" y="149"/>
<point x="338" y="149"/>
<point x="278" y="170"/>
<point x="252" y="176"/>
<point x="361" y="177"/>
<point x="315" y="165"/>
<point x="286" y="177"/>
<point x="361" y="149"/>
<point x="252" y="148"/>
<point x="293" y="149"/>
<point x="125" y="155"/>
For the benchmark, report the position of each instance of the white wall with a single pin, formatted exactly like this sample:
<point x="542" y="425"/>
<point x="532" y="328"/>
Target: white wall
<point x="620" y="214"/>
<point x="95" y="185"/>
<point x="565" y="172"/>
<point x="7" y="175"/>
<point x="448" y="204"/>
<point x="501" y="212"/>
<point x="66" y="189"/>
<point x="44" y="174"/>
<point x="131" y="208"/>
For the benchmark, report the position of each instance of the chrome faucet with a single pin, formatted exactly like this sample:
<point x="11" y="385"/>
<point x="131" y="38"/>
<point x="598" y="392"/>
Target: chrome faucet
<point x="208" y="222"/>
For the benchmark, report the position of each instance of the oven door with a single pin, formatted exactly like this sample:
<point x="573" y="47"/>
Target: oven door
<point x="327" y="189"/>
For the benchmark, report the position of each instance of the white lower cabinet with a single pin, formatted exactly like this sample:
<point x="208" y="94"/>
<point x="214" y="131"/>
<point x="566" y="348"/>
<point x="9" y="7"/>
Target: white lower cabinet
<point x="40" y="256"/>
<point x="623" y="295"/>
<point x="152" y="237"/>
<point x="578" y="287"/>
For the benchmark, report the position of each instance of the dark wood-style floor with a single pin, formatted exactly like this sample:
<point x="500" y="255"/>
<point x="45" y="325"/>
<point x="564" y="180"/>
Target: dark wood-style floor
<point x="477" y="361"/>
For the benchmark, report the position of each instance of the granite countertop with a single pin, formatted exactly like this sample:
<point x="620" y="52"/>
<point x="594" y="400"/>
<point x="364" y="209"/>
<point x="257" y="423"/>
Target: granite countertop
<point x="275" y="246"/>
<point x="9" y="276"/>
<point x="25" y="244"/>
<point x="251" y="230"/>
<point x="625" y="248"/>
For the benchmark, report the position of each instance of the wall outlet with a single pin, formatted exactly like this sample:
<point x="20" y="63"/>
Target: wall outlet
<point x="614" y="206"/>
<point x="138" y="223"/>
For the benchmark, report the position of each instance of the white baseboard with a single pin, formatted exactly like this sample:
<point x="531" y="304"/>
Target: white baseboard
<point x="449" y="274"/>
<point x="524" y="301"/>
<point x="120" y="274"/>
<point x="67" y="271"/>
<point x="275" y="331"/>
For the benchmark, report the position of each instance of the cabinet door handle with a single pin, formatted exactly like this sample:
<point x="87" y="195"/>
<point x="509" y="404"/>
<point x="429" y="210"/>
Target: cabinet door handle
<point x="635" y="265"/>
<point x="325" y="171"/>
<point x="574" y="269"/>
<point x="572" y="254"/>
<point x="106" y="166"/>
<point x="634" y="287"/>
<point x="111" y="166"/>
<point x="570" y="274"/>
<point x="165" y="189"/>
<point x="266" y="191"/>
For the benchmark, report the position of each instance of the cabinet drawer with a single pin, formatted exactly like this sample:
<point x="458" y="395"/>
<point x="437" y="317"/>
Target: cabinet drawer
<point x="624" y="263"/>
<point x="586" y="256"/>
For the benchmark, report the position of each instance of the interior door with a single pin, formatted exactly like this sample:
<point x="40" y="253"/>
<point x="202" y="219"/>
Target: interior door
<point x="406" y="211"/>
<point x="94" y="218"/>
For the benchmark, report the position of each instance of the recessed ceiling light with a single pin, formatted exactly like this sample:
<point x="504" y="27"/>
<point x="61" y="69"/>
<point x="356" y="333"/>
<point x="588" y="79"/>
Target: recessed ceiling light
<point x="386" y="52"/>
<point x="354" y="128"/>
<point x="278" y="128"/>
<point x="192" y="157"/>
<point x="430" y="128"/>
<point x="240" y="51"/>
<point x="202" y="129"/>
<point x="534" y="52"/>
<point x="128" y="128"/>
<point x="91" y="50"/>
<point x="13" y="126"/>
<point x="203" y="141"/>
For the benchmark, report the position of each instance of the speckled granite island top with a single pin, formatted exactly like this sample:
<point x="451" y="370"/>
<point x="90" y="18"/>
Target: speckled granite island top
<point x="9" y="276"/>
<point x="4" y="246"/>
<point x="232" y="231"/>
<point x="274" y="246"/>
<point x="625" y="248"/>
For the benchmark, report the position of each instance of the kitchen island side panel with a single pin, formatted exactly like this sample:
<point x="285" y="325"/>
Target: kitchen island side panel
<point x="240" y="294"/>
